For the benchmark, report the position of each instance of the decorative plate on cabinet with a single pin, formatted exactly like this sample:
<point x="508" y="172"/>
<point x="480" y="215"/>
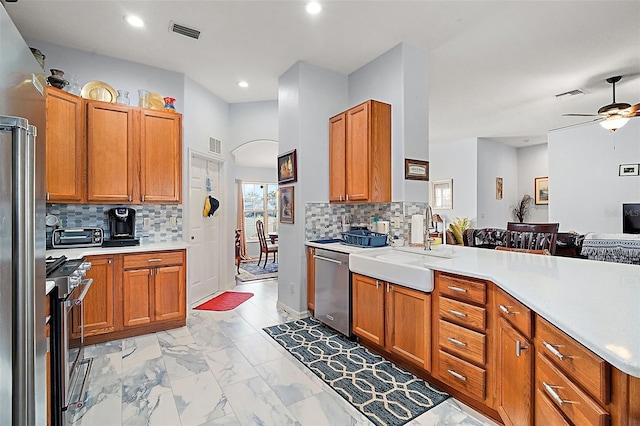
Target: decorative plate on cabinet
<point x="156" y="101"/>
<point x="98" y="91"/>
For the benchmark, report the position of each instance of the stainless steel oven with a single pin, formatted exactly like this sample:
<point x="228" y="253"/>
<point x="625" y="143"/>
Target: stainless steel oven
<point x="69" y="368"/>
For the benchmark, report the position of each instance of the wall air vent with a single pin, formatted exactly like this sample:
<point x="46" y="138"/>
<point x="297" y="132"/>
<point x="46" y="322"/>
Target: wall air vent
<point x="184" y="30"/>
<point x="215" y="146"/>
<point x="570" y="93"/>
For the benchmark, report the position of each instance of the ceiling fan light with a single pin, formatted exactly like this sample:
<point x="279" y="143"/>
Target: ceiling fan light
<point x="614" y="122"/>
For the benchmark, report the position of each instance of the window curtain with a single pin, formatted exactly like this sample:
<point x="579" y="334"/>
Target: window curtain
<point x="240" y="223"/>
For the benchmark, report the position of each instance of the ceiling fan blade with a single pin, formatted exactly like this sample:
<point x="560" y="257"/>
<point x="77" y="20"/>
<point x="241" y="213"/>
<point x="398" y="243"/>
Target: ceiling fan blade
<point x="580" y="115"/>
<point x="633" y="111"/>
<point x="578" y="124"/>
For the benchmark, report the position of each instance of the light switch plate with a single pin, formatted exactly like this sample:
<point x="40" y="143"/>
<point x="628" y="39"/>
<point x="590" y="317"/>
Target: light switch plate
<point x="146" y="222"/>
<point x="172" y="221"/>
<point x="396" y="222"/>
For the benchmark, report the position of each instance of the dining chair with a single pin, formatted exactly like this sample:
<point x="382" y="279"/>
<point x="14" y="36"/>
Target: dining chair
<point x="532" y="236"/>
<point x="518" y="250"/>
<point x="265" y="247"/>
<point x="238" y="256"/>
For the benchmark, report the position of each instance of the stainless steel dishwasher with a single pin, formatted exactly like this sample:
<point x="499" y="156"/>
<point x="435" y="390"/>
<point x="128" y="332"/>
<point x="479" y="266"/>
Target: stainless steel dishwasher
<point x="333" y="292"/>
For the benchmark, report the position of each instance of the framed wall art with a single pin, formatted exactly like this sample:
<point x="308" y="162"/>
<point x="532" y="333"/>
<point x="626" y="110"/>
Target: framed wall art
<point x="628" y="170"/>
<point x="416" y="169"/>
<point x="442" y="194"/>
<point x="542" y="190"/>
<point x="286" y="203"/>
<point x="287" y="167"/>
<point x="498" y="188"/>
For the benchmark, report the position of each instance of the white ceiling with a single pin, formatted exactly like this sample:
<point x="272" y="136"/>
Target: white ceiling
<point x="494" y="66"/>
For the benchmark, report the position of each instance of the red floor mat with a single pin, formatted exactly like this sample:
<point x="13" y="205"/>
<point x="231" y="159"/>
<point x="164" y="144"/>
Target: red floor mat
<point x="225" y="301"/>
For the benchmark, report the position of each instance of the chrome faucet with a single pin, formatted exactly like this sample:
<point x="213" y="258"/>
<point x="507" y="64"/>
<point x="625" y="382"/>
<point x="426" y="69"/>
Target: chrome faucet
<point x="429" y="228"/>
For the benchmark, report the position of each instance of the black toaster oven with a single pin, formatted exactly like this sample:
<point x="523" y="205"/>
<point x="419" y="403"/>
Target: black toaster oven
<point x="77" y="237"/>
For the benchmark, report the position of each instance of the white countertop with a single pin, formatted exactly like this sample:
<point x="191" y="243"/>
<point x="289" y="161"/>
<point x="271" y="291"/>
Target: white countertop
<point x="93" y="251"/>
<point x="596" y="303"/>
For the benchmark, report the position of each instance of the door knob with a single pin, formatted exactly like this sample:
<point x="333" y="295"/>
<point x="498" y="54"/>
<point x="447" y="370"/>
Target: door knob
<point x="192" y="237"/>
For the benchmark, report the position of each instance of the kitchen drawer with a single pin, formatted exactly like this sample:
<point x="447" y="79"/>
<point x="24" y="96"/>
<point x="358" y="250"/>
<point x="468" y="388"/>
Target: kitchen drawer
<point x="462" y="341"/>
<point x="579" y="363"/>
<point x="515" y="312"/>
<point x="153" y="259"/>
<point x="547" y="413"/>
<point x="462" y="375"/>
<point x="462" y="288"/>
<point x="462" y="313"/>
<point x="576" y="405"/>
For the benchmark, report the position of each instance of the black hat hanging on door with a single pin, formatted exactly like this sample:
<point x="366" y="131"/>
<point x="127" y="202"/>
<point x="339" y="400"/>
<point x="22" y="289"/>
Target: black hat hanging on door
<point x="210" y="206"/>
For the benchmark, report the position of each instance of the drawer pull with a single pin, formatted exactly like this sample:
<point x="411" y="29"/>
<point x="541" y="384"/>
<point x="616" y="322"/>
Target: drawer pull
<point x="520" y="348"/>
<point x="457" y="289"/>
<point x="457" y="375"/>
<point x="505" y="310"/>
<point x="554" y="351"/>
<point x="554" y="394"/>
<point x="456" y="313"/>
<point x="456" y="342"/>
<point x="154" y="260"/>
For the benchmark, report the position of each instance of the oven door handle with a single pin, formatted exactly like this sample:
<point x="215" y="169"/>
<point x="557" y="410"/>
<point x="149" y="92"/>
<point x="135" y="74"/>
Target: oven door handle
<point x="87" y="284"/>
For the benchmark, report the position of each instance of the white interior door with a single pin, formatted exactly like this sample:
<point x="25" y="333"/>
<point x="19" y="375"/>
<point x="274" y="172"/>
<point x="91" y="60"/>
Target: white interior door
<point x="204" y="264"/>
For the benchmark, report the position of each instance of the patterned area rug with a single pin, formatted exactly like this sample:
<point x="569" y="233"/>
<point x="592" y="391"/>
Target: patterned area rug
<point x="384" y="392"/>
<point x="250" y="271"/>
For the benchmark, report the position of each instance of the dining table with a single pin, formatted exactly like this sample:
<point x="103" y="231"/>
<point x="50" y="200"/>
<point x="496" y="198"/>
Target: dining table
<point x="273" y="236"/>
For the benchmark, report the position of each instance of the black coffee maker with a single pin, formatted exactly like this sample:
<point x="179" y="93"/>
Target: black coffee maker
<point x="122" y="227"/>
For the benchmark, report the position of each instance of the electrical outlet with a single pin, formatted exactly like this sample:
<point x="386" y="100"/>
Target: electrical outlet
<point x="146" y="222"/>
<point x="173" y="221"/>
<point x="396" y="222"/>
<point x="292" y="288"/>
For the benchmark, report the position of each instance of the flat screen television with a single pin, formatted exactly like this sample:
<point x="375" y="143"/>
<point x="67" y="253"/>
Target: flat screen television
<point x="631" y="218"/>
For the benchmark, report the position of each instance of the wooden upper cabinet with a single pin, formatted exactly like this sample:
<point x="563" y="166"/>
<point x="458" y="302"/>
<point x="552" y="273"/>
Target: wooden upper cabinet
<point x="111" y="153"/>
<point x="366" y="156"/>
<point x="337" y="153"/>
<point x="66" y="148"/>
<point x="160" y="157"/>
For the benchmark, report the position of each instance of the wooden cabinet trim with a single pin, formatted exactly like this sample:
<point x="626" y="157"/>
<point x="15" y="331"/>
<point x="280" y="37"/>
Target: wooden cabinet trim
<point x="463" y="342"/>
<point x="515" y="312"/>
<point x="463" y="288"/>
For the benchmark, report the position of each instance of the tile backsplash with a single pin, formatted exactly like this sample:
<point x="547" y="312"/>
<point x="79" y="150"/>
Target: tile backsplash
<point x="85" y="215"/>
<point x="324" y="220"/>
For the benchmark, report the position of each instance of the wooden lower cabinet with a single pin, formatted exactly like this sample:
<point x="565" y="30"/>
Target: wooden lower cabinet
<point x="99" y="307"/>
<point x="393" y="317"/>
<point x="515" y="370"/>
<point x="311" y="279"/>
<point x="134" y="294"/>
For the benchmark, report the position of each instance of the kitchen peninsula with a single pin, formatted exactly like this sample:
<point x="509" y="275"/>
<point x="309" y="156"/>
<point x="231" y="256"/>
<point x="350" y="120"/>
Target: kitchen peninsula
<point x="529" y="339"/>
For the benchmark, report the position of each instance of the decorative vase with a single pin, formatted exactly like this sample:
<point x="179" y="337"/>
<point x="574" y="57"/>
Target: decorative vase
<point x="123" y="97"/>
<point x="168" y="104"/>
<point x="74" y="86"/>
<point x="143" y="98"/>
<point x="56" y="79"/>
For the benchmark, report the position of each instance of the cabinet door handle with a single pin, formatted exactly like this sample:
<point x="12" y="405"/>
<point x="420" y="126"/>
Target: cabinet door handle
<point x="154" y="260"/>
<point x="377" y="284"/>
<point x="456" y="342"/>
<point x="457" y="375"/>
<point x="130" y="198"/>
<point x="551" y="348"/>
<point x="551" y="391"/>
<point x="347" y="197"/>
<point x="340" y="197"/>
<point x="143" y="198"/>
<point x="520" y="347"/>
<point x="505" y="310"/>
<point x="457" y="289"/>
<point x="456" y="313"/>
<point x="388" y="287"/>
<point x="48" y="197"/>
<point x="109" y="261"/>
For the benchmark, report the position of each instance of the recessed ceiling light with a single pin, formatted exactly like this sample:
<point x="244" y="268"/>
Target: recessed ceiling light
<point x="134" y="21"/>
<point x="313" y="7"/>
<point x="243" y="84"/>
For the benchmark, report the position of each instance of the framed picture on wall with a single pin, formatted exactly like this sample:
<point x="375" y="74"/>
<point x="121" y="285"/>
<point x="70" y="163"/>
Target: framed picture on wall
<point x="542" y="190"/>
<point x="442" y="194"/>
<point x="628" y="170"/>
<point x="498" y="188"/>
<point x="416" y="169"/>
<point x="287" y="167"/>
<point x="286" y="200"/>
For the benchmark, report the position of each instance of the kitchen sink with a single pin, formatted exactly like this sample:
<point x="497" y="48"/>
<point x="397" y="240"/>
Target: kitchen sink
<point x="395" y="266"/>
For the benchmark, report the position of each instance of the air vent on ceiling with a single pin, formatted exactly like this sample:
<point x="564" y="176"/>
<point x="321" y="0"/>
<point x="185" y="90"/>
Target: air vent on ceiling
<point x="215" y="146"/>
<point x="569" y="94"/>
<point x="184" y="30"/>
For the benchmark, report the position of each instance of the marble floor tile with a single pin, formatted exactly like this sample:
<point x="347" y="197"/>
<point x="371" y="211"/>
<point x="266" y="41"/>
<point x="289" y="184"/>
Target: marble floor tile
<point x="288" y="383"/>
<point x="148" y="378"/>
<point x="151" y="410"/>
<point x="322" y="409"/>
<point x="211" y="340"/>
<point x="102" y="408"/>
<point x="229" y="366"/>
<point x="257" y="350"/>
<point x="137" y="350"/>
<point x="200" y="399"/>
<point x="236" y="328"/>
<point x="264" y="408"/>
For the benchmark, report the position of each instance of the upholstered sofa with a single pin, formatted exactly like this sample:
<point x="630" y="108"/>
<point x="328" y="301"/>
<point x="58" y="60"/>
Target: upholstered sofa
<point x="568" y="244"/>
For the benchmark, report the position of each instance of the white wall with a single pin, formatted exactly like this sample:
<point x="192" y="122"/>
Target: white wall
<point x="458" y="161"/>
<point x="496" y="160"/>
<point x="252" y="121"/>
<point x="533" y="162"/>
<point x="398" y="77"/>
<point x="585" y="192"/>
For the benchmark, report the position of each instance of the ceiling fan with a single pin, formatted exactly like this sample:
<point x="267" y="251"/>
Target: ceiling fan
<point x="614" y="115"/>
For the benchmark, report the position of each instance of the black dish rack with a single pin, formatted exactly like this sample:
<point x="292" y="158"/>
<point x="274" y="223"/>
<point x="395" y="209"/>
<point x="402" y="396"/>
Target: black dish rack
<point x="364" y="238"/>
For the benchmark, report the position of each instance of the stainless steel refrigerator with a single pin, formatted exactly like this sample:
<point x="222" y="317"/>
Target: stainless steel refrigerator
<point x="22" y="232"/>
